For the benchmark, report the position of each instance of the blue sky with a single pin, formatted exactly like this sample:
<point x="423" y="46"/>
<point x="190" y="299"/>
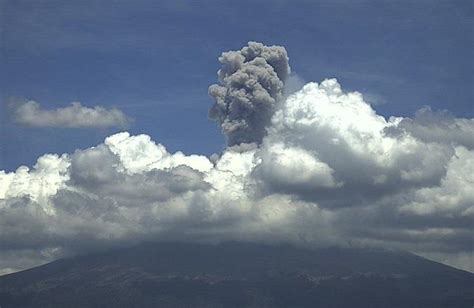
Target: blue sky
<point x="154" y="60"/>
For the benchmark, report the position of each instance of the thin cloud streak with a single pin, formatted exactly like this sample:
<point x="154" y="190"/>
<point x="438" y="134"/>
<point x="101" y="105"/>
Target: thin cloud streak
<point x="73" y="116"/>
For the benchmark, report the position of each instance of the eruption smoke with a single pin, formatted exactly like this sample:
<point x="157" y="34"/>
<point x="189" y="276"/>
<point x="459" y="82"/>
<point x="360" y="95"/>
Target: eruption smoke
<point x="250" y="85"/>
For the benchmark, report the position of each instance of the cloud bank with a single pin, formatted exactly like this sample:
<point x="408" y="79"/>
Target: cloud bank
<point x="326" y="170"/>
<point x="73" y="116"/>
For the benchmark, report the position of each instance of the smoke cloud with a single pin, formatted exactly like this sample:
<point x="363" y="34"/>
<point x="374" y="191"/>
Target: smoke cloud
<point x="251" y="83"/>
<point x="325" y="169"/>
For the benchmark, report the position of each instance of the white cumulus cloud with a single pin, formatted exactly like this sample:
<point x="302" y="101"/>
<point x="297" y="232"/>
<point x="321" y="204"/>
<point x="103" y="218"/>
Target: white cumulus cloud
<point x="328" y="170"/>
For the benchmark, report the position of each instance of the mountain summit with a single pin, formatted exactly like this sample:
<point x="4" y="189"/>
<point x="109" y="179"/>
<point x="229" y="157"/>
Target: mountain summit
<point x="237" y="274"/>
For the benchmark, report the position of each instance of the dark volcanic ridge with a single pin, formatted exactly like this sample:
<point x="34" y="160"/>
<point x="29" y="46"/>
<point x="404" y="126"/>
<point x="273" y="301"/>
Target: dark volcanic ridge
<point x="238" y="274"/>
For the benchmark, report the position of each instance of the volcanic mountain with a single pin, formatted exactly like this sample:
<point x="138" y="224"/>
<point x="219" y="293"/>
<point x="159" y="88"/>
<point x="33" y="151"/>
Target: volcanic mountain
<point x="235" y="274"/>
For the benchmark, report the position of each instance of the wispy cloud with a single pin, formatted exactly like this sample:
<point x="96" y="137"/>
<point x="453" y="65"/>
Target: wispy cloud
<point x="73" y="116"/>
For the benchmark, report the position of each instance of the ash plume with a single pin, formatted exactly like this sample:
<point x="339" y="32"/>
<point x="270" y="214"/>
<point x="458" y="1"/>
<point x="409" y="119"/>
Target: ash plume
<point x="251" y="83"/>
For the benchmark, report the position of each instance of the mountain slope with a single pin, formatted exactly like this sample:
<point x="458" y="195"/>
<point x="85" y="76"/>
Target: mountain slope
<point x="239" y="275"/>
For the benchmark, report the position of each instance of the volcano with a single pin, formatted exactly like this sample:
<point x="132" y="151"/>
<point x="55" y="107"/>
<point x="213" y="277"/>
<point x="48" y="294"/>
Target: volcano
<point x="235" y="274"/>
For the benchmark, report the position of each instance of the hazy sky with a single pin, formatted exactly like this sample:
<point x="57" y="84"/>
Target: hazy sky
<point x="377" y="148"/>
